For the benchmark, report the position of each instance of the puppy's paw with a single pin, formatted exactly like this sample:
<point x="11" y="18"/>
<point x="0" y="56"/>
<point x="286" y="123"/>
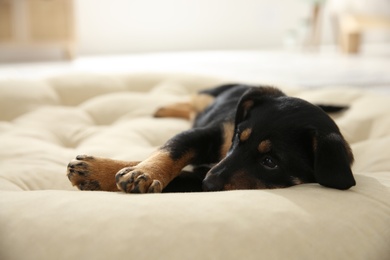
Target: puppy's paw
<point x="95" y="173"/>
<point x="133" y="180"/>
<point x="80" y="173"/>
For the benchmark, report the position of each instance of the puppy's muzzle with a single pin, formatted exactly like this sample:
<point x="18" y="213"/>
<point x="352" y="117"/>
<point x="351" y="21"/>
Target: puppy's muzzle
<point x="213" y="181"/>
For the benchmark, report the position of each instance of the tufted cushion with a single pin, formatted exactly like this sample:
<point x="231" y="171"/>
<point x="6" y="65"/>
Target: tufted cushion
<point x="46" y="123"/>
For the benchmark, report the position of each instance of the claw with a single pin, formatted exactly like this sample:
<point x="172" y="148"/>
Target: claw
<point x="155" y="187"/>
<point x="84" y="157"/>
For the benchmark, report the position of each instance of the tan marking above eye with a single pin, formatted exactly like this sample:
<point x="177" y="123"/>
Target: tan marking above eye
<point x="201" y="101"/>
<point x="245" y="134"/>
<point x="264" y="146"/>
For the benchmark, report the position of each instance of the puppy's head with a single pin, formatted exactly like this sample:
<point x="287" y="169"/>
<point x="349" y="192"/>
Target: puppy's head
<point x="281" y="141"/>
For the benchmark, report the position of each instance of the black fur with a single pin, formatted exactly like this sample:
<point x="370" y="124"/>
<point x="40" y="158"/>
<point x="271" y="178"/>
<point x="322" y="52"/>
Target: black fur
<point x="305" y="145"/>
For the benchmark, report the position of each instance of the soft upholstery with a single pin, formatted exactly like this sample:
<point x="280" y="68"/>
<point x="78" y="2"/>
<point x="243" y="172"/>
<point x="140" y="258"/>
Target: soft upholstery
<point x="46" y="123"/>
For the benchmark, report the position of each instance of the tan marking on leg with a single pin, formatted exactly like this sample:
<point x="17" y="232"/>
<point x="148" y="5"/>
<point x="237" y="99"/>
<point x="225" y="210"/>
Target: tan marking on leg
<point x="245" y="134"/>
<point x="95" y="173"/>
<point x="186" y="110"/>
<point x="178" y="110"/>
<point x="265" y="146"/>
<point x="152" y="174"/>
<point x="201" y="101"/>
<point x="163" y="168"/>
<point x="228" y="131"/>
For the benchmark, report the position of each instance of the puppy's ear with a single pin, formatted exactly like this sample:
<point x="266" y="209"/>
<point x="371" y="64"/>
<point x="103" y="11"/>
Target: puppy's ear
<point x="332" y="161"/>
<point x="252" y="97"/>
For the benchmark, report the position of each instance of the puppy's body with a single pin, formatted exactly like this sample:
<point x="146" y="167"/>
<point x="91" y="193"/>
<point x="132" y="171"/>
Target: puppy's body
<point x="251" y="137"/>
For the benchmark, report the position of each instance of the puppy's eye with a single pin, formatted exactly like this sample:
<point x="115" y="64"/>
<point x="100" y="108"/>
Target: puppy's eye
<point x="269" y="162"/>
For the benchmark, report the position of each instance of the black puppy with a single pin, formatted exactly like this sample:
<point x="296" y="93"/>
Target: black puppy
<point x="253" y="138"/>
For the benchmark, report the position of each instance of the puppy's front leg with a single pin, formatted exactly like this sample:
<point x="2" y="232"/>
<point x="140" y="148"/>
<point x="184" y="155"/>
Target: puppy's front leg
<point x="95" y="173"/>
<point x="155" y="173"/>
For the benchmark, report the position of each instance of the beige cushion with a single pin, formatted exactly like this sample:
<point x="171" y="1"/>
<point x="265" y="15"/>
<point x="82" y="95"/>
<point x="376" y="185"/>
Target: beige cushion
<point x="44" y="124"/>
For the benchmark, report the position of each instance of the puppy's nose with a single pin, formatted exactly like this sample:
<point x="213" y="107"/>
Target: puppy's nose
<point x="212" y="183"/>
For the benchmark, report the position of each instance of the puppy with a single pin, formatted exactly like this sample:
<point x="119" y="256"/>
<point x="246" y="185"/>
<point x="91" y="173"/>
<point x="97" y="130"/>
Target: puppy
<point x="243" y="137"/>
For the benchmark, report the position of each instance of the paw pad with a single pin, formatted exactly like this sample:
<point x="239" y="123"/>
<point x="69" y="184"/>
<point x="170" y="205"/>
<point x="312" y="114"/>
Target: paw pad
<point x="132" y="180"/>
<point x="78" y="173"/>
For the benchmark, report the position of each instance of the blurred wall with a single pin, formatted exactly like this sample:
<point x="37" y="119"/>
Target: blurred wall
<point x="131" y="26"/>
<point x="118" y="26"/>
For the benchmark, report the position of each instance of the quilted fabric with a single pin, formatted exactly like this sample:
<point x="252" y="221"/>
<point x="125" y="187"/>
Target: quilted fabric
<point x="44" y="124"/>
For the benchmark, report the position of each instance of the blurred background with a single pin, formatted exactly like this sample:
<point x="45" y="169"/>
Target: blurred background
<point x="306" y="42"/>
<point x="66" y="29"/>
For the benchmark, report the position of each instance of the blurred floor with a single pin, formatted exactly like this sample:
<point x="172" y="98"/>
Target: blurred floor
<point x="371" y="71"/>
